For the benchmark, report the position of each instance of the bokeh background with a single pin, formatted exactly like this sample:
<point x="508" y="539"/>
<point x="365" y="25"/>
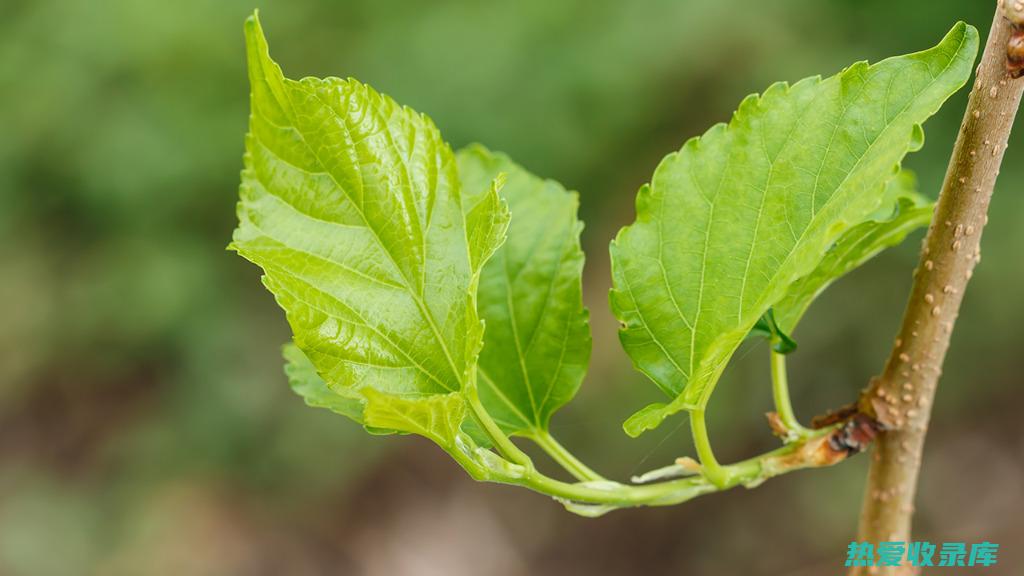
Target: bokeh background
<point x="145" y="424"/>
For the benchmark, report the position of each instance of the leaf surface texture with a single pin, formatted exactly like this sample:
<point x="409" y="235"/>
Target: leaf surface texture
<point x="736" y="216"/>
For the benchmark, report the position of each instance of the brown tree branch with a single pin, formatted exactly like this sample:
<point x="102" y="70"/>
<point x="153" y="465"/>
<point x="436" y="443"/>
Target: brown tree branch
<point x="901" y="398"/>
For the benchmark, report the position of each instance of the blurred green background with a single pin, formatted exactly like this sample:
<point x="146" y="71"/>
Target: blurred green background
<point x="145" y="424"/>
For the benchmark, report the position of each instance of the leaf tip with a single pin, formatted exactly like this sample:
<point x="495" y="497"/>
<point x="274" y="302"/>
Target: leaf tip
<point x="963" y="37"/>
<point x="647" y="418"/>
<point x="963" y="30"/>
<point x="253" y="19"/>
<point x="262" y="68"/>
<point x="254" y="36"/>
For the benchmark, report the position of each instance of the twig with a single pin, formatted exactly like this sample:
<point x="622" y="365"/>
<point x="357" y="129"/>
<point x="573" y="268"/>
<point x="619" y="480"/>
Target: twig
<point x="901" y="398"/>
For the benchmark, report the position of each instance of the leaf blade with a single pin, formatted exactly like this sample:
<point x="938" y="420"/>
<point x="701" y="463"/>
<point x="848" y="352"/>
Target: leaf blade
<point x="351" y="204"/>
<point x="304" y="381"/>
<point x="763" y="198"/>
<point x="537" y="342"/>
<point x="907" y="211"/>
<point x="438" y="417"/>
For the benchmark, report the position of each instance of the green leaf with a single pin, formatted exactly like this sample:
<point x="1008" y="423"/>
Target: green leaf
<point x="903" y="211"/>
<point x="305" y="382"/>
<point x="352" y="206"/>
<point x="739" y="214"/>
<point x="537" y="343"/>
<point x="907" y="211"/>
<point x="438" y="416"/>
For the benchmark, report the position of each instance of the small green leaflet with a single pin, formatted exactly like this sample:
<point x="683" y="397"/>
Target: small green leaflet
<point x="735" y="217"/>
<point x="352" y="206"/>
<point x="767" y="327"/>
<point x="907" y="212"/>
<point x="537" y="343"/>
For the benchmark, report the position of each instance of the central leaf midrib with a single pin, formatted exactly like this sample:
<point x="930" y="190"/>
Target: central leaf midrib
<point x="548" y="294"/>
<point x="549" y="290"/>
<point x="558" y="367"/>
<point x="510" y="302"/>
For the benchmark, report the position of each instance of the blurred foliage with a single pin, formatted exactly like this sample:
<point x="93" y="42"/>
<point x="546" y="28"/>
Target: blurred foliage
<point x="145" y="424"/>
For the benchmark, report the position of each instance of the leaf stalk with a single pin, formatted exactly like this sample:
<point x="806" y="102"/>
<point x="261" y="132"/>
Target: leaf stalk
<point x="505" y="446"/>
<point x="564" y="458"/>
<point x="790" y="427"/>
<point x="710" y="467"/>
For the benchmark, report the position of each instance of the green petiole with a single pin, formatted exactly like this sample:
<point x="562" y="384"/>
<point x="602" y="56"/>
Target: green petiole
<point x="505" y="446"/>
<point x="593" y="489"/>
<point x="710" y="467"/>
<point x="564" y="458"/>
<point x="780" y="393"/>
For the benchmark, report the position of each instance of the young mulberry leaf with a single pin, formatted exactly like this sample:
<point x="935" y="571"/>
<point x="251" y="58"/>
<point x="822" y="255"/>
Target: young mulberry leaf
<point x="352" y="206"/>
<point x="537" y="343"/>
<point x="739" y="214"/>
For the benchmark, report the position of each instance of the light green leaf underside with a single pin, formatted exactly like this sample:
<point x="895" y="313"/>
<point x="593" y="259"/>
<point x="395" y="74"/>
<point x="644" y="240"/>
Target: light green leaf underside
<point x="438" y="417"/>
<point x="305" y="382"/>
<point x="351" y="205"/>
<point x="906" y="212"/>
<point x="737" y="215"/>
<point x="537" y="343"/>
